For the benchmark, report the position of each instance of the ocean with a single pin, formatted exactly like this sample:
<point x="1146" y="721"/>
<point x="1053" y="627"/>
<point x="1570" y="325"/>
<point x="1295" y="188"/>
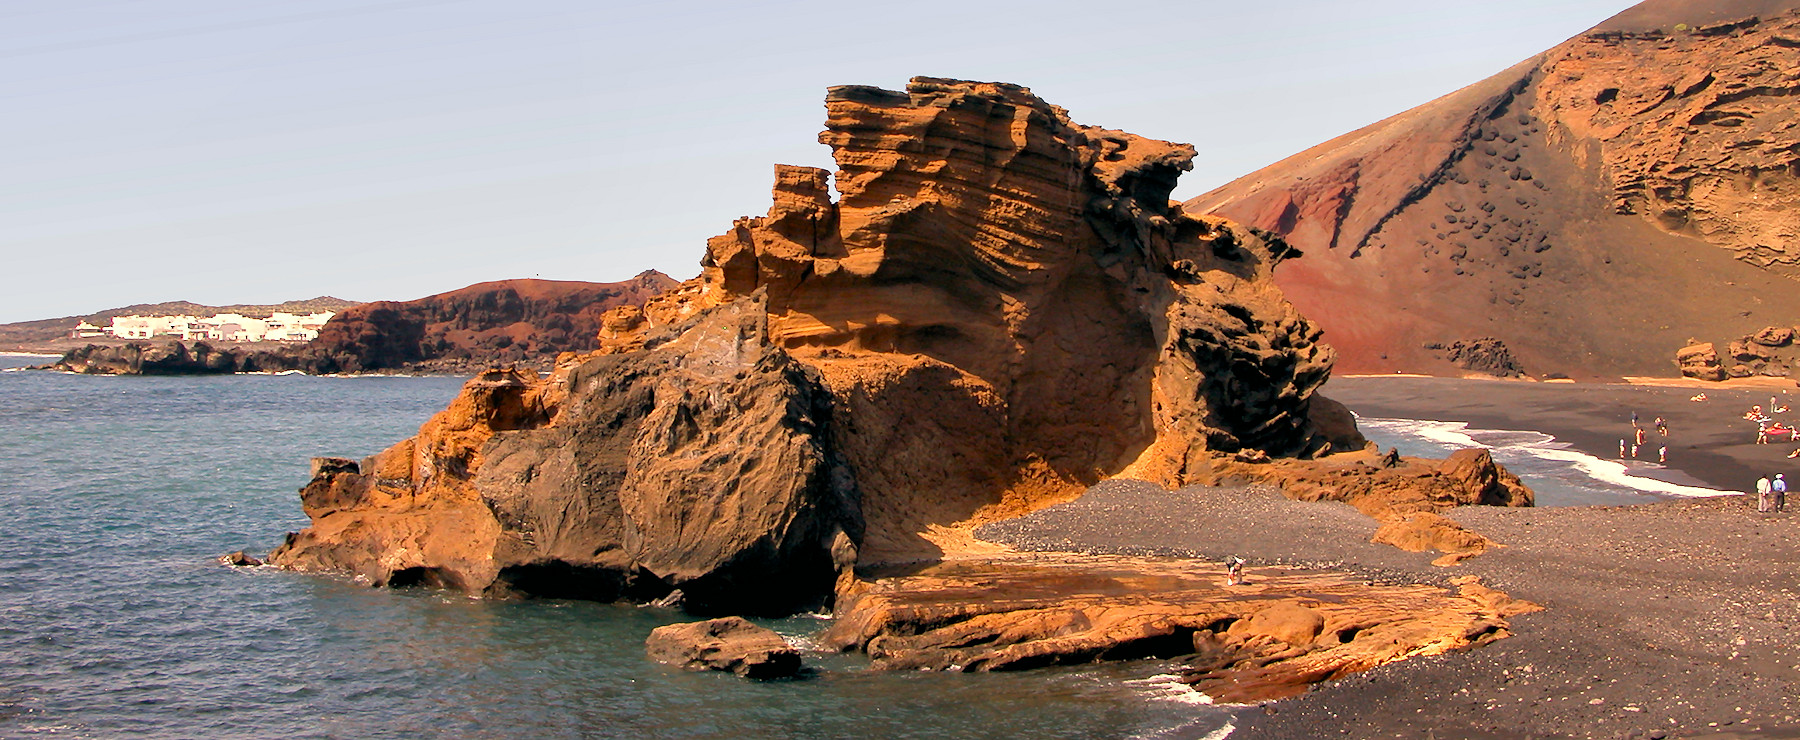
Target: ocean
<point x="116" y="621"/>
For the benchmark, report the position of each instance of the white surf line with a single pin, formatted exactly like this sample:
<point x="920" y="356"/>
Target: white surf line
<point x="1542" y="446"/>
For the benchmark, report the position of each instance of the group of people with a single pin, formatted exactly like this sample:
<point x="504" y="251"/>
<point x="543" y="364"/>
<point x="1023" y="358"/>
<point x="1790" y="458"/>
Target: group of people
<point x="1639" y="438"/>
<point x="1767" y="427"/>
<point x="1771" y="495"/>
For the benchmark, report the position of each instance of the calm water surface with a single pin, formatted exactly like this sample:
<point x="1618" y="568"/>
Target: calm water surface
<point x="117" y="493"/>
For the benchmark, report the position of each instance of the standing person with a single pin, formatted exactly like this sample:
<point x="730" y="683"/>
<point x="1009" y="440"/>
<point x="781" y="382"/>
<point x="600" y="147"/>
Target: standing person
<point x="1779" y="488"/>
<point x="1662" y="427"/>
<point x="1621" y="449"/>
<point x="1763" y="488"/>
<point x="1662" y="455"/>
<point x="1639" y="435"/>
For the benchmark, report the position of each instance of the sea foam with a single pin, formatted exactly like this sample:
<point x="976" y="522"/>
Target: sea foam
<point x="1545" y="463"/>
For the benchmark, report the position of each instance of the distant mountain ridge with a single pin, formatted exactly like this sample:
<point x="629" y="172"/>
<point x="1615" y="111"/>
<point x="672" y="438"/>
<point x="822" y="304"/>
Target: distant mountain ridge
<point x="1591" y="208"/>
<point x="47" y="329"/>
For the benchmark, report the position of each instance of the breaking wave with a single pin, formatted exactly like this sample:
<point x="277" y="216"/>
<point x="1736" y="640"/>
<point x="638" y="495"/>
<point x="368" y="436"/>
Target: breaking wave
<point x="1560" y="474"/>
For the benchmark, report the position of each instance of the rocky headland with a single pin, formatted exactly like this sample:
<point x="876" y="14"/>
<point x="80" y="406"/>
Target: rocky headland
<point x="1585" y="212"/>
<point x="999" y="309"/>
<point x="524" y="323"/>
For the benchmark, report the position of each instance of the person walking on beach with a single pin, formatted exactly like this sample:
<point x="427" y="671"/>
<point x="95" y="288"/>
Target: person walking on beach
<point x="1763" y="488"/>
<point x="1662" y="427"/>
<point x="1779" y="488"/>
<point x="1662" y="455"/>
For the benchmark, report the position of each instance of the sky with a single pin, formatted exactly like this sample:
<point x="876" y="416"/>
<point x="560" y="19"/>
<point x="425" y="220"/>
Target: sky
<point x="249" y="151"/>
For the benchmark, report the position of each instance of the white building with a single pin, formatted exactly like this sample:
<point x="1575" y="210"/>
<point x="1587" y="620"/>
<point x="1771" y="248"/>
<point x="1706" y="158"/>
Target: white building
<point x="225" y="327"/>
<point x="150" y="327"/>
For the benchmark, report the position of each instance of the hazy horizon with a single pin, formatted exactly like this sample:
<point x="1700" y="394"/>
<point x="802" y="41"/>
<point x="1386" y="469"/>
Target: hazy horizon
<point x="251" y="153"/>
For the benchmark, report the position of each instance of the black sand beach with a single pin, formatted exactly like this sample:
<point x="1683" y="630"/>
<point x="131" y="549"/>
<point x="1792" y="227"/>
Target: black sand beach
<point x="1709" y="440"/>
<point x="1674" y="619"/>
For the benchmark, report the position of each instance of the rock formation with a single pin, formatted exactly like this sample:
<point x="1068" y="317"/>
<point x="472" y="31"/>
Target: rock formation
<point x="729" y="644"/>
<point x="1001" y="308"/>
<point x="1590" y="207"/>
<point x="1405" y="495"/>
<point x="1270" y="637"/>
<point x="1770" y="352"/>
<point x="133" y="358"/>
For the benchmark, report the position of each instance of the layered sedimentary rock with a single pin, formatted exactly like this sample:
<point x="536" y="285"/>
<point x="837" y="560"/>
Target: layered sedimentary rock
<point x="1000" y="308"/>
<point x="1590" y="208"/>
<point x="1271" y="636"/>
<point x="992" y="270"/>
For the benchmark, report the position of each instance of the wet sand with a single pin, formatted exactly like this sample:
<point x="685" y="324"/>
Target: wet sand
<point x="1674" y="619"/>
<point x="1709" y="441"/>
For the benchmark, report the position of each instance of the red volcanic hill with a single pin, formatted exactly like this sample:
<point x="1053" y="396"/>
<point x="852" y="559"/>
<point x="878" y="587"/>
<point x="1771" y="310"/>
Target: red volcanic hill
<point x="495" y="322"/>
<point x="1591" y="208"/>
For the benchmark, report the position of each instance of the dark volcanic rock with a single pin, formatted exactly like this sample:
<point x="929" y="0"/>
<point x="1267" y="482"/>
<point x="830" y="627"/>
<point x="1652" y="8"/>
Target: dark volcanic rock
<point x="1485" y="355"/>
<point x="729" y="644"/>
<point x="239" y="560"/>
<point x="704" y="464"/>
<point x="173" y="358"/>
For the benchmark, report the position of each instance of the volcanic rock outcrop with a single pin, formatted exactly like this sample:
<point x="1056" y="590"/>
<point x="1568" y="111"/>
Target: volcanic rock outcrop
<point x="1000" y="308"/>
<point x="1770" y="351"/>
<point x="1270" y="637"/>
<point x="133" y="358"/>
<point x="1591" y="207"/>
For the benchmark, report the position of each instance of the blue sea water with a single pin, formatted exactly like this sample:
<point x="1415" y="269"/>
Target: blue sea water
<point x="117" y="494"/>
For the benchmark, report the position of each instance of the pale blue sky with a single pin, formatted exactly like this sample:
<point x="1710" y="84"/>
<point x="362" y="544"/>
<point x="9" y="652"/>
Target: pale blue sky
<point x="234" y="151"/>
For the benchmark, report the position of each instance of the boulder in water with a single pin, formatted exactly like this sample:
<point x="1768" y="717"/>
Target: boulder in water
<point x="730" y="644"/>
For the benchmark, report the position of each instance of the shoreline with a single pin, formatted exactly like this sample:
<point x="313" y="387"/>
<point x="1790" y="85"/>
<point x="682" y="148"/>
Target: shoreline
<point x="1661" y="620"/>
<point x="1709" y="442"/>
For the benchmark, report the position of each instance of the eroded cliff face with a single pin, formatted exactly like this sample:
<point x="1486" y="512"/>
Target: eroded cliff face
<point x="1000" y="308"/>
<point x="991" y="270"/>
<point x="1590" y="208"/>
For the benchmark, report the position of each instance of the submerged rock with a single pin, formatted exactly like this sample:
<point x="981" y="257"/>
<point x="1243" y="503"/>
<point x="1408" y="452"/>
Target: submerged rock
<point x="730" y="644"/>
<point x="239" y="560"/>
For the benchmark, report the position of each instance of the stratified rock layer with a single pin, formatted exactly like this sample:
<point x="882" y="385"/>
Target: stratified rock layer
<point x="1591" y="208"/>
<point x="1001" y="308"/>
<point x="1269" y="637"/>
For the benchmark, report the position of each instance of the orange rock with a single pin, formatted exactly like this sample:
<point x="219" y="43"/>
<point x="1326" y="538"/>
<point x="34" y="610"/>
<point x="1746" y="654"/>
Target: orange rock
<point x="1271" y="638"/>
